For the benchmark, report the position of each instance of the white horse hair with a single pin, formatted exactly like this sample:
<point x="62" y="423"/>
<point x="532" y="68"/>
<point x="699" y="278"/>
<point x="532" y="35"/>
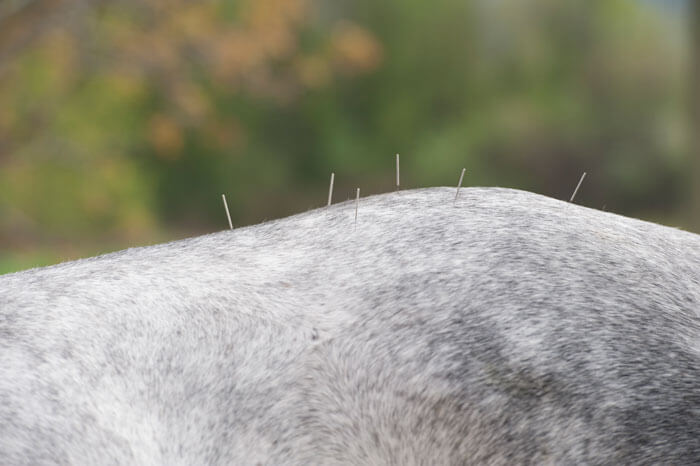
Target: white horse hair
<point x="506" y="328"/>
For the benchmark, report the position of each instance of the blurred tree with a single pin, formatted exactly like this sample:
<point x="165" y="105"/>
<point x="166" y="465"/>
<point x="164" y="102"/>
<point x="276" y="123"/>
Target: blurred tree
<point x="694" y="80"/>
<point x="118" y="119"/>
<point x="527" y="93"/>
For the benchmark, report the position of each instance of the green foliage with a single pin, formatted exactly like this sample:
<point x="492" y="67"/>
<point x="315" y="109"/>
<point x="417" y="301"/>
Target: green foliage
<point x="135" y="118"/>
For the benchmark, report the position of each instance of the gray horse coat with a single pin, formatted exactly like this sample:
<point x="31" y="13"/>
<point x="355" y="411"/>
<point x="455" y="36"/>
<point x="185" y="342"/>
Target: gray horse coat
<point x="509" y="328"/>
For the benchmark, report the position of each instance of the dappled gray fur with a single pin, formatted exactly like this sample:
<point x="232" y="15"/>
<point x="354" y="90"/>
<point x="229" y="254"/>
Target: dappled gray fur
<point x="509" y="328"/>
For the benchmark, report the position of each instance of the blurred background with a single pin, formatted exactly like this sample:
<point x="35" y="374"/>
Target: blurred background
<point x="122" y="122"/>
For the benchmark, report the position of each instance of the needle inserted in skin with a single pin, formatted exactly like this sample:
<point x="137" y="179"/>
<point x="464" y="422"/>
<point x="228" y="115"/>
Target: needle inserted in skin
<point x="577" y="186"/>
<point x="228" y="215"/>
<point x="398" y="178"/>
<point x="357" y="204"/>
<point x="330" y="190"/>
<point x="459" y="185"/>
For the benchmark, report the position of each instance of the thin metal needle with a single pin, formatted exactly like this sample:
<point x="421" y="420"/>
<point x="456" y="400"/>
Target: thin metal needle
<point x="398" y="178"/>
<point x="330" y="190"/>
<point x="228" y="215"/>
<point x="577" y="186"/>
<point x="357" y="204"/>
<point x="459" y="185"/>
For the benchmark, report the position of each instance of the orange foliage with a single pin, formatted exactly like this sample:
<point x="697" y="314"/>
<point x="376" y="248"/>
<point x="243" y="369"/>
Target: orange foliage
<point x="165" y="136"/>
<point x="355" y="50"/>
